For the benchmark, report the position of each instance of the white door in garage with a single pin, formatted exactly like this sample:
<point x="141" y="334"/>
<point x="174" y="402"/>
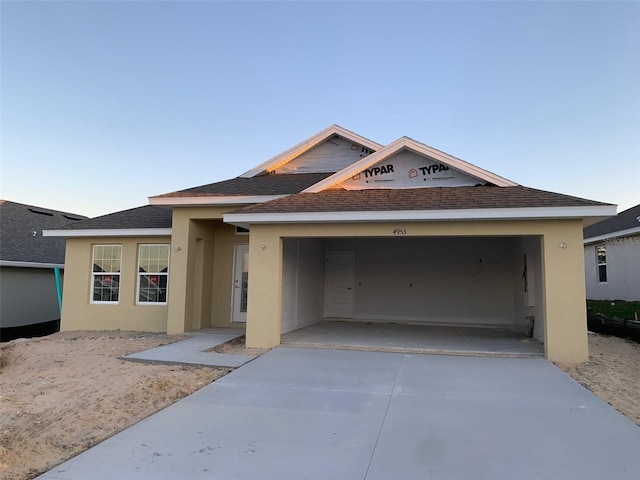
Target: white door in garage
<point x="338" y="288"/>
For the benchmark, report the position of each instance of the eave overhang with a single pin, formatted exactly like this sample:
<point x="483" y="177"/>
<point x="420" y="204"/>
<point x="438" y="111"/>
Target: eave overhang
<point x="109" y="232"/>
<point x="211" y="200"/>
<point x="612" y="235"/>
<point x="472" y="214"/>
<point x="11" y="263"/>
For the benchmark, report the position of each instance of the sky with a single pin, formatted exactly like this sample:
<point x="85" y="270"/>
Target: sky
<point x="103" y="104"/>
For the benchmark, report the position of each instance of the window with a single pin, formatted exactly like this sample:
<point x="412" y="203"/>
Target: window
<point x="105" y="275"/>
<point x="153" y="272"/>
<point x="601" y="262"/>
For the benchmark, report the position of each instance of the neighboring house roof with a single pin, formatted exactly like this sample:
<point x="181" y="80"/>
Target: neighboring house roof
<point x="147" y="220"/>
<point x="481" y="202"/>
<point x="625" y="223"/>
<point x="21" y="239"/>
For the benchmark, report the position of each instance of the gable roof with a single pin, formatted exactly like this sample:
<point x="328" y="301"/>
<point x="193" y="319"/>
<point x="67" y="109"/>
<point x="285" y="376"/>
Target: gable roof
<point x="21" y="228"/>
<point x="442" y="203"/>
<point x="306" y="145"/>
<point x="406" y="143"/>
<point x="241" y="190"/>
<point x="148" y="220"/>
<point x="626" y="222"/>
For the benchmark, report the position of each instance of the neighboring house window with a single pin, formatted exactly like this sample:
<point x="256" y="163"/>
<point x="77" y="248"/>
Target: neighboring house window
<point x="105" y="276"/>
<point x="601" y="260"/>
<point x="153" y="272"/>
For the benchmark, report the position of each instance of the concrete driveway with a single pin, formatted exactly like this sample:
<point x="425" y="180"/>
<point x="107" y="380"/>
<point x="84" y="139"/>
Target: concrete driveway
<point x="298" y="413"/>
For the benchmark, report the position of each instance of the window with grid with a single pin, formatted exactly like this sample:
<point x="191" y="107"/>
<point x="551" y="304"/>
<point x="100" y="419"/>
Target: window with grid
<point x="105" y="274"/>
<point x="153" y="273"/>
<point x="601" y="261"/>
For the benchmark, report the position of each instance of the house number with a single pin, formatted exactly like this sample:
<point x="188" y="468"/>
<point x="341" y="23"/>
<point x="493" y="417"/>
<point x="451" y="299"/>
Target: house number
<point x="400" y="231"/>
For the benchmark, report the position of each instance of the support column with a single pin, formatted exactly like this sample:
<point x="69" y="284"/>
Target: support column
<point x="178" y="304"/>
<point x="265" y="287"/>
<point x="565" y="333"/>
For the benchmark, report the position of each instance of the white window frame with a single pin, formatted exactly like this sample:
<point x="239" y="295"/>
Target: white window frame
<point x="164" y="274"/>
<point x="97" y="274"/>
<point x="599" y="264"/>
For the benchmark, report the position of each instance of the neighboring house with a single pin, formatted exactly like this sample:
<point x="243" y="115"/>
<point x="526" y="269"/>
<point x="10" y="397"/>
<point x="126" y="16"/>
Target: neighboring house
<point x="28" y="293"/>
<point x="612" y="257"/>
<point x="339" y="227"/>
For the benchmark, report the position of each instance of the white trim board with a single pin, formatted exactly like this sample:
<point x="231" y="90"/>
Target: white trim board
<point x="11" y="263"/>
<point x="605" y="236"/>
<point x="529" y="213"/>
<point x="109" y="232"/>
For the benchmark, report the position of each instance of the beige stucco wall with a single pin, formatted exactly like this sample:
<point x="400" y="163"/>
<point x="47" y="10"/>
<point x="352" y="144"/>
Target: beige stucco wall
<point x="562" y="285"/>
<point x="200" y="283"/>
<point x="78" y="313"/>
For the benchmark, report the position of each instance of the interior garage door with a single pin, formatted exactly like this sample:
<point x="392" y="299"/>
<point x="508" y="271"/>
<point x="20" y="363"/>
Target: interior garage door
<point x="338" y="292"/>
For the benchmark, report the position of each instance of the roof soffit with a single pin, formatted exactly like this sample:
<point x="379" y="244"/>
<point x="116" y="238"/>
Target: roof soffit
<point x="408" y="144"/>
<point x="297" y="150"/>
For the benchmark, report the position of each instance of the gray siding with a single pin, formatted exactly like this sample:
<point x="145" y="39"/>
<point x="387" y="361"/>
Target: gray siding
<point x="27" y="296"/>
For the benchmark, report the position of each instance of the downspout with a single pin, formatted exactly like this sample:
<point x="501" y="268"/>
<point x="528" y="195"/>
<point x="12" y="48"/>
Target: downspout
<point x="56" y="272"/>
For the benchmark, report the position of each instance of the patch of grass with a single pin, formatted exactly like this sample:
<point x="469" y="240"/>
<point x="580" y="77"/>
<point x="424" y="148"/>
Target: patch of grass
<point x="615" y="308"/>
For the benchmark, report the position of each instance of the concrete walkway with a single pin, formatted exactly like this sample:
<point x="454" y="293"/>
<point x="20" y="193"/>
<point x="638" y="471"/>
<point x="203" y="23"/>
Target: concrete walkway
<point x="192" y="351"/>
<point x="303" y="413"/>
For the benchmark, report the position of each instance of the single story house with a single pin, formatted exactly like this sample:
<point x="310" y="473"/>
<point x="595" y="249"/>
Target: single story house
<point x="28" y="263"/>
<point x="339" y="227"/>
<point x="612" y="257"/>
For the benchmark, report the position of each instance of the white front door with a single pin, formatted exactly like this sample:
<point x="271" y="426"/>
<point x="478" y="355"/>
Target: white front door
<point x="240" y="283"/>
<point x="338" y="289"/>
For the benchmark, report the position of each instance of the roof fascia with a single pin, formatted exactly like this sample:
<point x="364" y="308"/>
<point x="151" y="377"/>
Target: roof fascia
<point x="11" y="263"/>
<point x="524" y="213"/>
<point x="417" y="147"/>
<point x="610" y="235"/>
<point x="207" y="200"/>
<point x="306" y="145"/>
<point x="108" y="232"/>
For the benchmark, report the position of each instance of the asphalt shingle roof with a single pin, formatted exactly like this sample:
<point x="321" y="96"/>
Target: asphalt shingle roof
<point x="438" y="198"/>
<point x="148" y="216"/>
<point x="625" y="220"/>
<point x="21" y="229"/>
<point x="272" y="184"/>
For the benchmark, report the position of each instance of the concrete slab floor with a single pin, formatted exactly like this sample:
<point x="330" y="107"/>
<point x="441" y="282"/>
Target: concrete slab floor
<point x="405" y="338"/>
<point x="192" y="351"/>
<point x="358" y="415"/>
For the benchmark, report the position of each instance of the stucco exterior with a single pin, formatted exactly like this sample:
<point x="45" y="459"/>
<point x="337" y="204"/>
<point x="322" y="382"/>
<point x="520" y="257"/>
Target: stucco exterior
<point x="200" y="284"/>
<point x="78" y="313"/>
<point x="562" y="286"/>
<point x="410" y="233"/>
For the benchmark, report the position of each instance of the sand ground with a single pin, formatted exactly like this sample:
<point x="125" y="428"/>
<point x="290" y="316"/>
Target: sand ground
<point x="64" y="393"/>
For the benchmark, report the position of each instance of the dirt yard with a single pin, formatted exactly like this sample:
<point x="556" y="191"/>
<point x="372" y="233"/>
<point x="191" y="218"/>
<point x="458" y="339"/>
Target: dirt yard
<point x="612" y="373"/>
<point x="64" y="393"/>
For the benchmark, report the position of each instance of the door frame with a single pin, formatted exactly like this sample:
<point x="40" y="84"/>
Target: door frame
<point x="239" y="250"/>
